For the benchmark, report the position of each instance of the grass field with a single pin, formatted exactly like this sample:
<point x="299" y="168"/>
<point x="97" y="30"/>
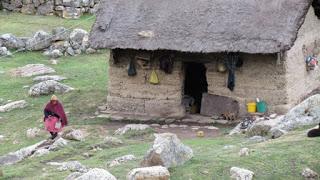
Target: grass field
<point x="283" y="158"/>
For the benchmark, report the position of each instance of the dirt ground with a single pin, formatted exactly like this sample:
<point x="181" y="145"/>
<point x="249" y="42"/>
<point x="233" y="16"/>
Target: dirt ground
<point x="182" y="133"/>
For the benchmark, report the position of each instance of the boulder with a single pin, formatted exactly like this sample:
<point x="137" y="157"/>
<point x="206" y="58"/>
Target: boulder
<point x="112" y="141"/>
<point x="59" y="45"/>
<point x="258" y="130"/>
<point x="49" y="87"/>
<point x="33" y="132"/>
<point x="58" y="144"/>
<point x="28" y="9"/>
<point x="244" y="152"/>
<point x="11" y="42"/>
<point x="241" y="174"/>
<point x="90" y="51"/>
<point x="40" y="152"/>
<point x="39" y="41"/>
<point x="70" y="51"/>
<point x="96" y="174"/>
<point x="305" y="113"/>
<point x="53" y="54"/>
<point x="149" y="173"/>
<point x="77" y="36"/>
<point x="15" y="157"/>
<point x="73" y="166"/>
<point x="45" y="8"/>
<point x="13" y="105"/>
<point x="60" y="34"/>
<point x="73" y="175"/>
<point x="309" y="174"/>
<point x="276" y="133"/>
<point x="120" y="160"/>
<point x="48" y="77"/>
<point x="71" y="3"/>
<point x="74" y="134"/>
<point x="71" y="13"/>
<point x="167" y="151"/>
<point x="4" y="52"/>
<point x="32" y="70"/>
<point x="132" y="127"/>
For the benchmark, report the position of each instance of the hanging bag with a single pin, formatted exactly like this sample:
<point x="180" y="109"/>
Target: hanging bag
<point x="154" y="78"/>
<point x="132" y="69"/>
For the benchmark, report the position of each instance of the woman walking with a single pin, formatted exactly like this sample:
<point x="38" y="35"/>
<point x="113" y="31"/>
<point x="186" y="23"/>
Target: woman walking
<point x="54" y="117"/>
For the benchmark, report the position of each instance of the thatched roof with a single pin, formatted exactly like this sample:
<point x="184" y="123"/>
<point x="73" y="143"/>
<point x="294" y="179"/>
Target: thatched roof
<point x="251" y="26"/>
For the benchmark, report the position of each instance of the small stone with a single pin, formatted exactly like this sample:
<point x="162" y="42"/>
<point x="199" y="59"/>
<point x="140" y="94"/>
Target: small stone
<point x="244" y="152"/>
<point x="309" y="174"/>
<point x="70" y="51"/>
<point x="73" y="166"/>
<point x="276" y="133"/>
<point x="183" y="126"/>
<point x="241" y="174"/>
<point x="73" y="176"/>
<point x="132" y="127"/>
<point x="33" y="132"/>
<point x="96" y="174"/>
<point x="155" y="125"/>
<point x="74" y="134"/>
<point x="13" y="105"/>
<point x="90" y="51"/>
<point x="173" y="126"/>
<point x="26" y="87"/>
<point x="273" y="116"/>
<point x="120" y="160"/>
<point x="165" y="126"/>
<point x="49" y="77"/>
<point x="169" y="121"/>
<point x="59" y="143"/>
<point x="212" y="128"/>
<point x="112" y="141"/>
<point x="40" y="152"/>
<point x="116" y="118"/>
<point x="229" y="146"/>
<point x="2" y="137"/>
<point x="151" y="173"/>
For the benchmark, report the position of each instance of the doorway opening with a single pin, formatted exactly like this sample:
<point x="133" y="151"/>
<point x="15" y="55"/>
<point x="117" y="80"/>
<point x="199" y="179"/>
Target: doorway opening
<point x="194" y="85"/>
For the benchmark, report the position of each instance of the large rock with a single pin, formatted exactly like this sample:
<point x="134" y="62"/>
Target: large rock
<point x="305" y="113"/>
<point x="39" y="41"/>
<point x="71" y="13"/>
<point x="258" y="130"/>
<point x="13" y="105"/>
<point x="77" y="36"/>
<point x="28" y="9"/>
<point x="120" y="160"/>
<point x="4" y="52"/>
<point x="32" y="70"/>
<point x="11" y="42"/>
<point x="49" y="87"/>
<point x="19" y="155"/>
<point x="96" y="174"/>
<point x="241" y="174"/>
<point x="48" y="77"/>
<point x="74" y="134"/>
<point x="132" y="127"/>
<point x="168" y="151"/>
<point x="45" y="8"/>
<point x="309" y="174"/>
<point x="60" y="34"/>
<point x="149" y="173"/>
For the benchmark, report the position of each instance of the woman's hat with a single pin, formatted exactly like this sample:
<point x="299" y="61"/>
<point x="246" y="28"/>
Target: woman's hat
<point x="54" y="98"/>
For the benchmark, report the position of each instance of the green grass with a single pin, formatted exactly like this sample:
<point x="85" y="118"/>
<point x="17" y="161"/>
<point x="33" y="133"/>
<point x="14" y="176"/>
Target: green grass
<point x="26" y="25"/>
<point x="283" y="158"/>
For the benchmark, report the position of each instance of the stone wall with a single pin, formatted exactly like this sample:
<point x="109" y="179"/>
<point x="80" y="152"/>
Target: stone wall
<point x="63" y="8"/>
<point x="137" y="96"/>
<point x="300" y="81"/>
<point x="259" y="77"/>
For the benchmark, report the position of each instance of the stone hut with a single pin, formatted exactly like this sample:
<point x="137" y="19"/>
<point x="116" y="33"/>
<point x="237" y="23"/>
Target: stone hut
<point x="262" y="44"/>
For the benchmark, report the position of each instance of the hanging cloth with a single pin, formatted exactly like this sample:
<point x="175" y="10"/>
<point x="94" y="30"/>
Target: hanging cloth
<point x="166" y="64"/>
<point x="154" y="78"/>
<point x="132" y="69"/>
<point x="231" y="62"/>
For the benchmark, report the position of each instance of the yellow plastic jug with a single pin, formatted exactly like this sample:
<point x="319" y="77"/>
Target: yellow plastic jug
<point x="154" y="78"/>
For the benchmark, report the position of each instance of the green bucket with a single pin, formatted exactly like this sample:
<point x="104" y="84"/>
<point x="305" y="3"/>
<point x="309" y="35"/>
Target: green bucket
<point x="262" y="107"/>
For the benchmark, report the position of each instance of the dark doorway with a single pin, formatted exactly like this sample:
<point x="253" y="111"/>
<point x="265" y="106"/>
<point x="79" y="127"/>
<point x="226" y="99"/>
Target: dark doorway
<point x="195" y="83"/>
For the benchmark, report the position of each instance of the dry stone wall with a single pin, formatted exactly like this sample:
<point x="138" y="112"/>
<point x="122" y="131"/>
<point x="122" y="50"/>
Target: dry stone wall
<point x="300" y="81"/>
<point x="259" y="77"/>
<point x="63" y="8"/>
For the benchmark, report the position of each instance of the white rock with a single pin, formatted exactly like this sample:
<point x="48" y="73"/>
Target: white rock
<point x="39" y="41"/>
<point x="2" y="137"/>
<point x="112" y="140"/>
<point x="164" y="126"/>
<point x="241" y="174"/>
<point x="173" y="126"/>
<point x="74" y="134"/>
<point x="40" y="152"/>
<point x="272" y="116"/>
<point x="33" y="132"/>
<point x="212" y="128"/>
<point x="73" y="175"/>
<point x="155" y="125"/>
<point x="13" y="105"/>
<point x="229" y="146"/>
<point x="96" y="174"/>
<point x="149" y="173"/>
<point x="183" y="126"/>
<point x="309" y="174"/>
<point x="49" y="77"/>
<point x="132" y="127"/>
<point x="120" y="160"/>
<point x="49" y="87"/>
<point x="167" y="151"/>
<point x="73" y="166"/>
<point x="257" y="139"/>
<point x="244" y="152"/>
<point x="4" y="52"/>
<point x="59" y="143"/>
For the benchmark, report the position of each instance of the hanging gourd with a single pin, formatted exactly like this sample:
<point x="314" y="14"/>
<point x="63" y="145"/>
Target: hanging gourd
<point x="154" y="78"/>
<point x="132" y="69"/>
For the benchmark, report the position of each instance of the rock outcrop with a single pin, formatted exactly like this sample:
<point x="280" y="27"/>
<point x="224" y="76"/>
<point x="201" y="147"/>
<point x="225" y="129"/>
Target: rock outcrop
<point x="49" y="87"/>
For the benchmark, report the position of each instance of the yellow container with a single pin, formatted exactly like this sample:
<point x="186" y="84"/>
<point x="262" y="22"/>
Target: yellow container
<point x="252" y="107"/>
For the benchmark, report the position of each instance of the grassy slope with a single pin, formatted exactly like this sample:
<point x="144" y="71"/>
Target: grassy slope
<point x="283" y="158"/>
